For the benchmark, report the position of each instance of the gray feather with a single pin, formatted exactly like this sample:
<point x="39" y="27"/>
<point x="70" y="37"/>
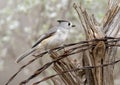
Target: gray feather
<point x="45" y="36"/>
<point x="28" y="52"/>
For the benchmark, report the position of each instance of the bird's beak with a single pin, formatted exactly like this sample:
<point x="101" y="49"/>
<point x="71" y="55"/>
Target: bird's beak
<point x="73" y="25"/>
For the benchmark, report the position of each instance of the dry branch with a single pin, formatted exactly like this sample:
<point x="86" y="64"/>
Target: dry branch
<point x="97" y="53"/>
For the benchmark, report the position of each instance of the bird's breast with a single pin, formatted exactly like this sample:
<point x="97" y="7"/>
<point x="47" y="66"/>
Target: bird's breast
<point x="55" y="40"/>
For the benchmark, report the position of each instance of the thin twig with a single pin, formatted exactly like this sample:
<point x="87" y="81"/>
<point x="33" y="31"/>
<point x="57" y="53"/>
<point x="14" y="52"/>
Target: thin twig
<point x="44" y="67"/>
<point x="76" y="69"/>
<point x="82" y="43"/>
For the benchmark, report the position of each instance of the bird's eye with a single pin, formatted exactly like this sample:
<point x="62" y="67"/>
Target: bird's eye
<point x="68" y="24"/>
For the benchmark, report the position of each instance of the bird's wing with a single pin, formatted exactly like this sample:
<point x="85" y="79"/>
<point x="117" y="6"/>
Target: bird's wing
<point x="45" y="36"/>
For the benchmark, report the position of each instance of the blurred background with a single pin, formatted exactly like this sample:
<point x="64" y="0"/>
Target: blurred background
<point x="23" y="21"/>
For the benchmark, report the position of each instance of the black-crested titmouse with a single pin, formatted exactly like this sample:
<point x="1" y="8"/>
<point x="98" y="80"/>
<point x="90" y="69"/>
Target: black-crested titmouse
<point x="55" y="37"/>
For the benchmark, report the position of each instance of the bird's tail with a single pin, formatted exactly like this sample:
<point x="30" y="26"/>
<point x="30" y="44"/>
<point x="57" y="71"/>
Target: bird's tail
<point x="28" y="52"/>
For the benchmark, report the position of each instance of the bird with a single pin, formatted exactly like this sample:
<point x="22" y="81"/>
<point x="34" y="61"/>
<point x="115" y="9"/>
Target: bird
<point x="54" y="37"/>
